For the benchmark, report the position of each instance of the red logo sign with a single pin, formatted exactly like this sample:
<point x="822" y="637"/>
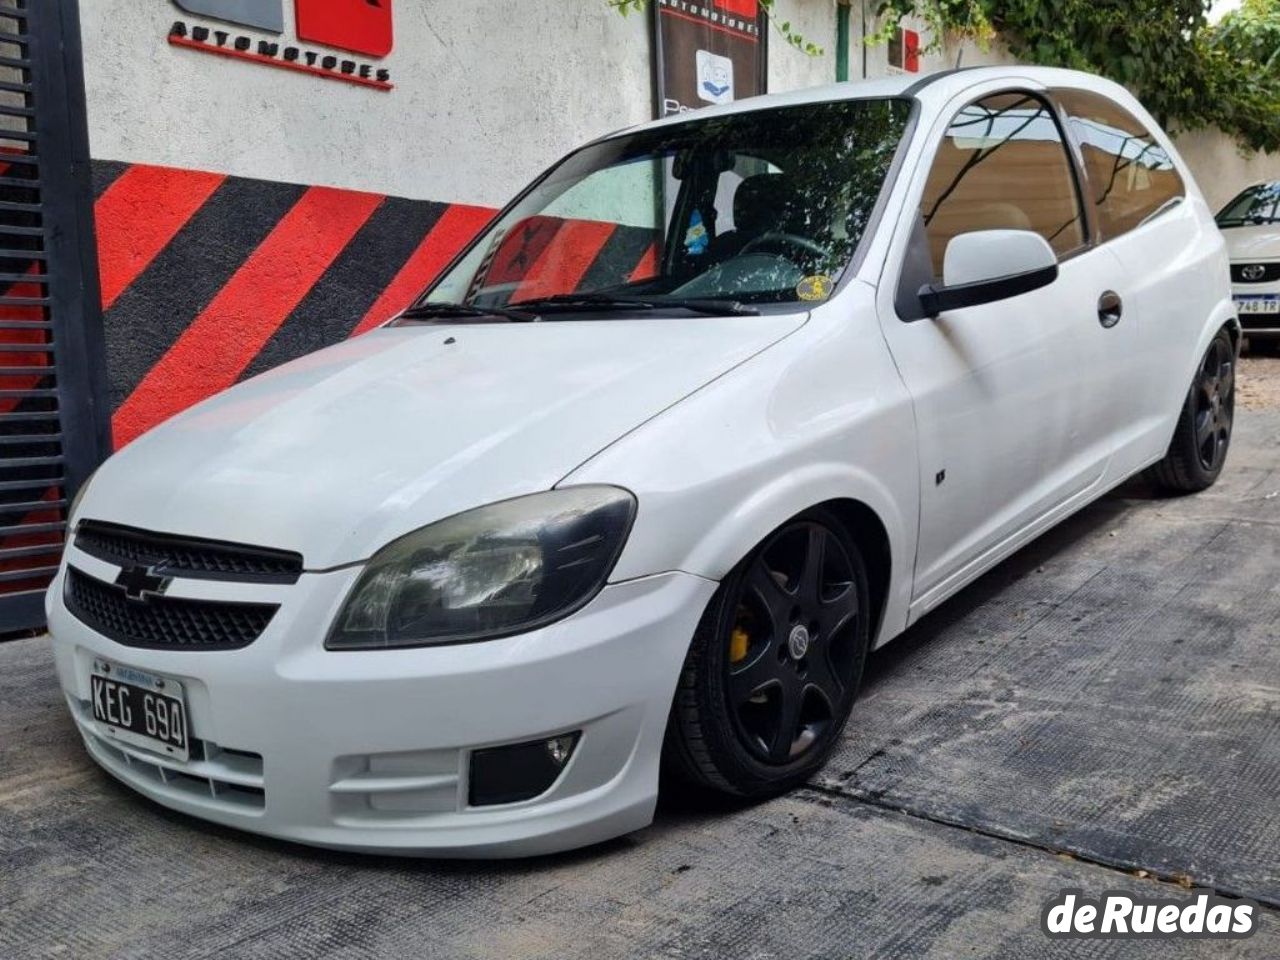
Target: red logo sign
<point x="362" y="26"/>
<point x="904" y="51"/>
<point x="911" y="51"/>
<point x="359" y="26"/>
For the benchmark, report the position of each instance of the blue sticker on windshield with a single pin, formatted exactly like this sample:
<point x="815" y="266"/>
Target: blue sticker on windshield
<point x="695" y="238"/>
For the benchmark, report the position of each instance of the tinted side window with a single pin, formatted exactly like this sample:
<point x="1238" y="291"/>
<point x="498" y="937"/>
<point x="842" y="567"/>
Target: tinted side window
<point x="1130" y="174"/>
<point x="1002" y="165"/>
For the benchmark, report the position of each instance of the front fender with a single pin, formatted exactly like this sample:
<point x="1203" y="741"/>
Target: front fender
<point x="820" y="416"/>
<point x="759" y="511"/>
<point x="746" y="522"/>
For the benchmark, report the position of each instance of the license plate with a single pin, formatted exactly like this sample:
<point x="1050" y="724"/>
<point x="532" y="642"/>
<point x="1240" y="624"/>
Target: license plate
<point x="1258" y="304"/>
<point x="140" y="708"/>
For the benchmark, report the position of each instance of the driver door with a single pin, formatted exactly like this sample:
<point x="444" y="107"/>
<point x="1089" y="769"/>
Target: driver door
<point x="995" y="388"/>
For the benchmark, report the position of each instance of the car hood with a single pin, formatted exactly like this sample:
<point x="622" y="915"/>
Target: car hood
<point x="337" y="453"/>
<point x="1253" y="243"/>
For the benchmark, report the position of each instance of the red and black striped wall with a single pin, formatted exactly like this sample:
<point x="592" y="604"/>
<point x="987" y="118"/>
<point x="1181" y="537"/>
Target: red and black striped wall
<point x="208" y="279"/>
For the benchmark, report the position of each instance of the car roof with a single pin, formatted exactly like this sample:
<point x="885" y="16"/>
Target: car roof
<point x="935" y="88"/>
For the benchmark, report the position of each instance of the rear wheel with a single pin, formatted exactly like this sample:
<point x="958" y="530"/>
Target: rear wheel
<point x="1203" y="434"/>
<point x="775" y="663"/>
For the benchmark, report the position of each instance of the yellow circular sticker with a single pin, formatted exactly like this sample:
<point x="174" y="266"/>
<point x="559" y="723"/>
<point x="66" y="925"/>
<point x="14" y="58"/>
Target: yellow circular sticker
<point x="817" y="287"/>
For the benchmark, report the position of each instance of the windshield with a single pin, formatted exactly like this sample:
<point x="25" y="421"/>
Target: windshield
<point x="1254" y="206"/>
<point x="759" y="207"/>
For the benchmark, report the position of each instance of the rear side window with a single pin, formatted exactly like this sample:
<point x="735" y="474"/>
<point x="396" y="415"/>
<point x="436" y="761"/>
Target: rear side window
<point x="1130" y="174"/>
<point x="1002" y="165"/>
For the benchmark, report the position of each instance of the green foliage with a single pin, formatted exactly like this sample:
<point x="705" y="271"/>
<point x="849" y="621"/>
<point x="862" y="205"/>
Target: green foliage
<point x="1188" y="73"/>
<point x="942" y="19"/>
<point x="1251" y="33"/>
<point x="794" y="39"/>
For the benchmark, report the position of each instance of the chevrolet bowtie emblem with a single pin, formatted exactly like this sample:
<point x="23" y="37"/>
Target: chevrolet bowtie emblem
<point x="140" y="583"/>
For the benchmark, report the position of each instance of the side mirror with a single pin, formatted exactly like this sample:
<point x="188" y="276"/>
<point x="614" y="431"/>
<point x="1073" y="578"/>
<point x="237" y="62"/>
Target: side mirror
<point x="989" y="265"/>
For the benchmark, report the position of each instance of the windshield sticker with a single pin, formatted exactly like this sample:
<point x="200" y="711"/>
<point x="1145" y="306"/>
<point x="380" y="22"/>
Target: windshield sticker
<point x="695" y="238"/>
<point x="816" y="287"/>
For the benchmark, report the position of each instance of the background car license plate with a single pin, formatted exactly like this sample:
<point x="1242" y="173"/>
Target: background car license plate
<point x="1258" y="304"/>
<point x="140" y="708"/>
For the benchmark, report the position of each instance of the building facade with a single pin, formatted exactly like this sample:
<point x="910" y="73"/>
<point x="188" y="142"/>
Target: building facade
<point x="272" y="176"/>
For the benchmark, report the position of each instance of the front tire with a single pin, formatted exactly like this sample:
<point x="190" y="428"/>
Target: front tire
<point x="1203" y="435"/>
<point x="774" y="665"/>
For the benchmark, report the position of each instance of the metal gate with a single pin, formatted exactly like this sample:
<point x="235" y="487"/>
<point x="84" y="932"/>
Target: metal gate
<point x="54" y="427"/>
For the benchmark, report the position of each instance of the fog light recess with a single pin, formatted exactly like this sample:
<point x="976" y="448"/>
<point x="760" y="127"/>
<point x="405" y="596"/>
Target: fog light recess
<point x="520" y="771"/>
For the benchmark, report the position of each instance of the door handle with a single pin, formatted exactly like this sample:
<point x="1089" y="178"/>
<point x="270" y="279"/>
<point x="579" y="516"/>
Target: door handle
<point x="1110" y="308"/>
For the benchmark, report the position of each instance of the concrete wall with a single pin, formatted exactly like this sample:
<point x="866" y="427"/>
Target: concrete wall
<point x="487" y="93"/>
<point x="1221" y="168"/>
<point x="790" y="69"/>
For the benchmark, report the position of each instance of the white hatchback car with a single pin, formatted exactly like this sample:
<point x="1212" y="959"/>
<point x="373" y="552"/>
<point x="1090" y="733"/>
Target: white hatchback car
<point x="714" y="407"/>
<point x="1251" y="225"/>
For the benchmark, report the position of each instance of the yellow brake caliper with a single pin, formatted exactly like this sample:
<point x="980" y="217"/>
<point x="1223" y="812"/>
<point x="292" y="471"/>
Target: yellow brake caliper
<point x="739" y="641"/>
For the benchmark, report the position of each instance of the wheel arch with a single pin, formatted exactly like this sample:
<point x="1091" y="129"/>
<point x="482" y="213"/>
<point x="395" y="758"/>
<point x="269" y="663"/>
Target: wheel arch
<point x="868" y="511"/>
<point x="689" y="753"/>
<point x="1223" y="317"/>
<point x="1236" y="332"/>
<point x="869" y="533"/>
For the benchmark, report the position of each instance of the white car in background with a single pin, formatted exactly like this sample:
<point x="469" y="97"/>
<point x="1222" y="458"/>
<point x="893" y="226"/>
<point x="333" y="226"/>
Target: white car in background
<point x="716" y="406"/>
<point x="1251" y="225"/>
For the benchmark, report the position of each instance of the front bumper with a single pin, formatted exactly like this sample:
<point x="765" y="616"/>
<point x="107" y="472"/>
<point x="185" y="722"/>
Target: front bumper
<point x="370" y="750"/>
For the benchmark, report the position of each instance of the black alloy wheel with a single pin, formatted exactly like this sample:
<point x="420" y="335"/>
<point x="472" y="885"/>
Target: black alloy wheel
<point x="774" y="667"/>
<point x="1202" y="436"/>
<point x="789" y="649"/>
<point x="1215" y="404"/>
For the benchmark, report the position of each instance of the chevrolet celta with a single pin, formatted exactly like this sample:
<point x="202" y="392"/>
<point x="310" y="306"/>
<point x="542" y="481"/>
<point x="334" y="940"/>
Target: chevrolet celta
<point x="713" y="408"/>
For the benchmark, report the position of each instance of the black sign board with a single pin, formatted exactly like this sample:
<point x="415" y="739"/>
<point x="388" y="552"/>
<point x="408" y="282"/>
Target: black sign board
<point x="708" y="52"/>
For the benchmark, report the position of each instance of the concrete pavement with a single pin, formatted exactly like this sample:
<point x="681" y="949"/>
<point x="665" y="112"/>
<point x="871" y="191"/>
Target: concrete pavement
<point x="1102" y="711"/>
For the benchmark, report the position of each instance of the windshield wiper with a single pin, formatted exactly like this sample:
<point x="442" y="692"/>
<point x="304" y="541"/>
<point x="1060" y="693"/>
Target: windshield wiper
<point x="596" y="301"/>
<point x="438" y="310"/>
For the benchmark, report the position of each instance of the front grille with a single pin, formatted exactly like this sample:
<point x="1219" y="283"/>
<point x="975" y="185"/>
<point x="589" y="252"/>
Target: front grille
<point x="187" y="557"/>
<point x="164" y="622"/>
<point x="1270" y="272"/>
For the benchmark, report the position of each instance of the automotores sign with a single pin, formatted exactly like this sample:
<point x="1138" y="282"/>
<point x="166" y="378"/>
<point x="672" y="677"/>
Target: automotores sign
<point x="361" y="27"/>
<point x="708" y="51"/>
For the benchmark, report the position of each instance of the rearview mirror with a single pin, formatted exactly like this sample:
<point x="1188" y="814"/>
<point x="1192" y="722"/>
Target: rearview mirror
<point x="984" y="266"/>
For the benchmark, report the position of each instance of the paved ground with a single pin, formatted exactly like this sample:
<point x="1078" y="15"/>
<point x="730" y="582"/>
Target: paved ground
<point x="1102" y="712"/>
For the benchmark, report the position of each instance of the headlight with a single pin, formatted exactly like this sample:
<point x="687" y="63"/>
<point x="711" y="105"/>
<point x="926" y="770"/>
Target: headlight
<point x="490" y="572"/>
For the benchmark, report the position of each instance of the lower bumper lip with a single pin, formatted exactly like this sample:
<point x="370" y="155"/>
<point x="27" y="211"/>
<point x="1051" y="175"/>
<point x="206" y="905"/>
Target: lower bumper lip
<point x="368" y="751"/>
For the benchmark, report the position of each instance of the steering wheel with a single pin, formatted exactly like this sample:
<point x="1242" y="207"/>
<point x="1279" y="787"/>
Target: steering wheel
<point x="779" y="242"/>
